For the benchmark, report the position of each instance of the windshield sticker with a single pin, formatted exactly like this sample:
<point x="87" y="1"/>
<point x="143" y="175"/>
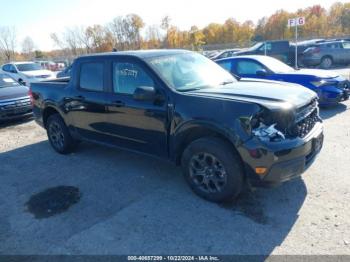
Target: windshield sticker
<point x="8" y="80"/>
<point x="128" y="72"/>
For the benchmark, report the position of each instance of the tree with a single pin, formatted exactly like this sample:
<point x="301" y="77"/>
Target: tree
<point x="126" y="32"/>
<point x="7" y="42"/>
<point x="28" y="47"/>
<point x="153" y="37"/>
<point x="196" y="38"/>
<point x="165" y="25"/>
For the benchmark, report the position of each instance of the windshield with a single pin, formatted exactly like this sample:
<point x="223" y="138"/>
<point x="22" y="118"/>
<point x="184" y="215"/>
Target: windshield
<point x="190" y="71"/>
<point x="7" y="81"/>
<point x="276" y="65"/>
<point x="28" y="67"/>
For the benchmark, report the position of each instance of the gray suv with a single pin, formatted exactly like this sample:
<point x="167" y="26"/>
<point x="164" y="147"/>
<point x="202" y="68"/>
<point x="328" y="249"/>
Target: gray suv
<point x="327" y="54"/>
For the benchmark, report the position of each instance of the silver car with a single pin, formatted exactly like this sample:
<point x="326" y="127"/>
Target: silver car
<point x="327" y="54"/>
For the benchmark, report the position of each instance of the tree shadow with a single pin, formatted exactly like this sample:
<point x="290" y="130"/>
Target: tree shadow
<point x="134" y="204"/>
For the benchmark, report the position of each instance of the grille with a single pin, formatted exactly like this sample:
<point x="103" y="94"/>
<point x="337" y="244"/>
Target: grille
<point x="306" y="118"/>
<point x="303" y="127"/>
<point x="14" y="104"/>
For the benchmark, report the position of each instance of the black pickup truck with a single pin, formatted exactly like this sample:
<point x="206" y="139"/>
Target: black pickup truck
<point x="183" y="107"/>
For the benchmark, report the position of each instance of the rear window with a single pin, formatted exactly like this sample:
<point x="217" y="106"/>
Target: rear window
<point x="91" y="76"/>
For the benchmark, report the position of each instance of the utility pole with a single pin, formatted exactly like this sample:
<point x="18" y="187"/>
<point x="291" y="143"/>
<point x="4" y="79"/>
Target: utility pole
<point x="296" y="46"/>
<point x="295" y="22"/>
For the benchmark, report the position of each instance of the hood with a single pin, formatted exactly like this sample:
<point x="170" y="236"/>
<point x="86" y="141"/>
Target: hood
<point x="272" y="95"/>
<point x="315" y="72"/>
<point x="13" y="92"/>
<point x="38" y="73"/>
<point x="260" y="80"/>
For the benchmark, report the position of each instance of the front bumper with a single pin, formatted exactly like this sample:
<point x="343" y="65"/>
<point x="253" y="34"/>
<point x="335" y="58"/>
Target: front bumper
<point x="15" y="108"/>
<point x="284" y="160"/>
<point x="332" y="95"/>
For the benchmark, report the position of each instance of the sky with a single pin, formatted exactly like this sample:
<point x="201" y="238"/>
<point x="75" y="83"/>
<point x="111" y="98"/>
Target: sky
<point x="39" y="18"/>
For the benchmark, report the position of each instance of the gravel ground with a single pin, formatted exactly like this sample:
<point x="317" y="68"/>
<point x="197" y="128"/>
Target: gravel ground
<point x="132" y="204"/>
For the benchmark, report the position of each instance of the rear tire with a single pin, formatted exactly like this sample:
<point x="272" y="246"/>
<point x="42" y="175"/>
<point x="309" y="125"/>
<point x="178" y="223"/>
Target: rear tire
<point x="212" y="169"/>
<point x="326" y="62"/>
<point x="59" y="136"/>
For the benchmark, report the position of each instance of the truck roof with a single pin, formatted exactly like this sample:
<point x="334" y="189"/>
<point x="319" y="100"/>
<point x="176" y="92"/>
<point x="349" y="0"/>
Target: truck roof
<point x="141" y="53"/>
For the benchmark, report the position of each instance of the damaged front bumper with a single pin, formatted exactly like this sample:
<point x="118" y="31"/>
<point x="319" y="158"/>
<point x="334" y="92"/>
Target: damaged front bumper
<point x="283" y="160"/>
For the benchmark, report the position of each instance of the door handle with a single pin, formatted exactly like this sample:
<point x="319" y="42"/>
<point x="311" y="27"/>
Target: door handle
<point x="79" y="98"/>
<point x="118" y="103"/>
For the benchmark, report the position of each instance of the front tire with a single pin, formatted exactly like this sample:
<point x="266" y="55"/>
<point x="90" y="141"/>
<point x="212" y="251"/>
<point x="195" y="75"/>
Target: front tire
<point x="59" y="136"/>
<point x="213" y="169"/>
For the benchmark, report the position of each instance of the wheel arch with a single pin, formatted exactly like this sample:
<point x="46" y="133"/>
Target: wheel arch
<point x="196" y="130"/>
<point x="49" y="111"/>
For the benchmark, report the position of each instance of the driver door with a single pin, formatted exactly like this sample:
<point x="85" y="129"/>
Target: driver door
<point x="247" y="68"/>
<point x="134" y="124"/>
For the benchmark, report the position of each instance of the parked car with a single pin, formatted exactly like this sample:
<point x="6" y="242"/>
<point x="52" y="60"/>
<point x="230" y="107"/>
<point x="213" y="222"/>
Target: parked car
<point x="327" y="54"/>
<point x="14" y="99"/>
<point x="181" y="106"/>
<point x="48" y="65"/>
<point x="225" y="53"/>
<point x="27" y="72"/>
<point x="277" y="49"/>
<point x="330" y="87"/>
<point x="65" y="73"/>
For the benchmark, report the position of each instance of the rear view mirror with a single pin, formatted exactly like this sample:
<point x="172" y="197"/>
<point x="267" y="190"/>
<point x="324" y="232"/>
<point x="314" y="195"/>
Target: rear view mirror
<point x="145" y="93"/>
<point x="261" y="72"/>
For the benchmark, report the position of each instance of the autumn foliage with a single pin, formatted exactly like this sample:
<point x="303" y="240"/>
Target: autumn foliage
<point x="130" y="32"/>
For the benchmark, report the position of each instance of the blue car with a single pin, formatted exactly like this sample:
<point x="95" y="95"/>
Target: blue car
<point x="330" y="87"/>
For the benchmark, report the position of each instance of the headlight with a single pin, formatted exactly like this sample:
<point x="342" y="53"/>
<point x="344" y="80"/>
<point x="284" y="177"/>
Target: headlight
<point x="323" y="83"/>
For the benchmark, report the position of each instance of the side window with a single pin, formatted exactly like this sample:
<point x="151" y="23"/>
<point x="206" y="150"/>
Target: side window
<point x="226" y="65"/>
<point x="91" y="76"/>
<point x="129" y="76"/>
<point x="6" y="68"/>
<point x="12" y="69"/>
<point x="268" y="47"/>
<point x="248" y="67"/>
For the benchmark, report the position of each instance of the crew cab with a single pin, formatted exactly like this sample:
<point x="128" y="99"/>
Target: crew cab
<point x="181" y="106"/>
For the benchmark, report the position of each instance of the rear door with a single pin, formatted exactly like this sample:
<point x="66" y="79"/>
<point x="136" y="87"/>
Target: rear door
<point x="133" y="124"/>
<point x="87" y="103"/>
<point x="335" y="50"/>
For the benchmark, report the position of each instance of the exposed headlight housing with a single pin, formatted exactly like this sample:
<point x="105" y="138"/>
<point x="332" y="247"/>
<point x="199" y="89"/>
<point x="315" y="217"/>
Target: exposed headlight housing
<point x="268" y="133"/>
<point x="271" y="126"/>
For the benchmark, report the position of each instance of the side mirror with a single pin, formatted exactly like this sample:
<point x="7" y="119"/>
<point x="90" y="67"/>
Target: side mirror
<point x="145" y="93"/>
<point x="13" y="71"/>
<point x="261" y="72"/>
